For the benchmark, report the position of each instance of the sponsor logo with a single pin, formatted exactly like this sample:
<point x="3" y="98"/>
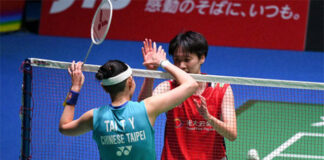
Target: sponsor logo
<point x="193" y="124"/>
<point x="177" y="123"/>
<point x="62" y="5"/>
<point x="120" y="4"/>
<point x="124" y="151"/>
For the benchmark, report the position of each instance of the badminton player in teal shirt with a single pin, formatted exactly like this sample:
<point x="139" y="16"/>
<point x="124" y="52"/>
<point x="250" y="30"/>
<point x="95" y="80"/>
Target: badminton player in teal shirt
<point x="124" y="128"/>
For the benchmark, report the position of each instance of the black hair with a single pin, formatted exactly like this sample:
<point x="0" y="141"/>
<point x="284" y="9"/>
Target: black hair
<point x="110" y="69"/>
<point x="189" y="42"/>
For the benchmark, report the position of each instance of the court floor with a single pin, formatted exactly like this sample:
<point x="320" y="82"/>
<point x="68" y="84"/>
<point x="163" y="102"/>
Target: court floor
<point x="279" y="130"/>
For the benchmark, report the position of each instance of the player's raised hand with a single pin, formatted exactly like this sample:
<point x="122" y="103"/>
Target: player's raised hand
<point x="154" y="56"/>
<point x="77" y="77"/>
<point x="146" y="50"/>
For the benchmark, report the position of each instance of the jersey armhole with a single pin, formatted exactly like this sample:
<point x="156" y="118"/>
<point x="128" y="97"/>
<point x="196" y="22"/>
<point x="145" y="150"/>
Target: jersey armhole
<point x="224" y="88"/>
<point x="147" y="117"/>
<point x="95" y="118"/>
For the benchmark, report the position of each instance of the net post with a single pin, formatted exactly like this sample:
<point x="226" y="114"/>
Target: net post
<point x="26" y="110"/>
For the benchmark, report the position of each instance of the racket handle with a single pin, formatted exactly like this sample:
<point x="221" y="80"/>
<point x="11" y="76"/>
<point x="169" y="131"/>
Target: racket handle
<point x="89" y="50"/>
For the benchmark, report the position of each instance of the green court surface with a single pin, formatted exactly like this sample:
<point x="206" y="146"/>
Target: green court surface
<point x="278" y="130"/>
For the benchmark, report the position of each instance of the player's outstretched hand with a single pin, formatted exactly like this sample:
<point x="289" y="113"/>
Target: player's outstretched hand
<point x="148" y="50"/>
<point x="153" y="55"/>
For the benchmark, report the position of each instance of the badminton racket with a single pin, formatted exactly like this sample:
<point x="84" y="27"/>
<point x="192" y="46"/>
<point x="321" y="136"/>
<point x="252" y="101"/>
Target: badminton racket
<point x="100" y="24"/>
<point x="99" y="27"/>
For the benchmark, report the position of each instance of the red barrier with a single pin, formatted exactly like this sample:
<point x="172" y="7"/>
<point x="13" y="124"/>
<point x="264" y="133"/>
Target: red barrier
<point x="273" y="24"/>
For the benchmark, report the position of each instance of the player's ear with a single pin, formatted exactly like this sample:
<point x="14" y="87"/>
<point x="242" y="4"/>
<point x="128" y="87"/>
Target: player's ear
<point x="202" y="59"/>
<point x="130" y="82"/>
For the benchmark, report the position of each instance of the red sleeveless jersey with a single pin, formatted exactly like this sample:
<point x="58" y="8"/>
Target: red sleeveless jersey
<point x="188" y="135"/>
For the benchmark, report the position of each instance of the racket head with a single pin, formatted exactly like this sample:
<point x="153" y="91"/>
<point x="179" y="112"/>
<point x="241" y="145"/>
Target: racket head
<point x="101" y="22"/>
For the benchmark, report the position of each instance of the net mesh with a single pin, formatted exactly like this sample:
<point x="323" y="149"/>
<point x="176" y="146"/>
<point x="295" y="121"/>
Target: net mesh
<point x="278" y="122"/>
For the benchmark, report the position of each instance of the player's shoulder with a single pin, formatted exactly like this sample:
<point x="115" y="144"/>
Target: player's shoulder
<point x="219" y="84"/>
<point x="165" y="83"/>
<point x="162" y="87"/>
<point x="135" y="106"/>
<point x="135" y="103"/>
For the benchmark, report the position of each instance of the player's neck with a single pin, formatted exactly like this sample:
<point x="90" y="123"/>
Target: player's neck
<point x="119" y="102"/>
<point x="120" y="99"/>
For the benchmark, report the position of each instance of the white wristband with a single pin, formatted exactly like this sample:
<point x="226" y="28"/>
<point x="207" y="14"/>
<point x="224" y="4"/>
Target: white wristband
<point x="164" y="63"/>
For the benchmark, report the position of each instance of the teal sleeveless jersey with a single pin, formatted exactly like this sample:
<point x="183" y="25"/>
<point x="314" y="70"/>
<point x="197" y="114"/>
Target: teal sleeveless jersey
<point x="124" y="132"/>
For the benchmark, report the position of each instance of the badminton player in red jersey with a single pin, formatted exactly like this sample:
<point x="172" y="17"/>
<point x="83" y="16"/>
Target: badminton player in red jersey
<point x="196" y="128"/>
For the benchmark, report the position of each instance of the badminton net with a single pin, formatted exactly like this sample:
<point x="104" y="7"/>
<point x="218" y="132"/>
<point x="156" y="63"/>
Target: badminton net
<point x="279" y="119"/>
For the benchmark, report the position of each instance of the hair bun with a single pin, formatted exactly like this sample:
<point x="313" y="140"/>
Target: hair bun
<point x="110" y="69"/>
<point x="103" y="73"/>
<point x="99" y="76"/>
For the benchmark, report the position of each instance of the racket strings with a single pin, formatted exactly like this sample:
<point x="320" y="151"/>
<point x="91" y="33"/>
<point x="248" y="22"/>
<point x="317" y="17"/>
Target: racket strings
<point x="101" y="24"/>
